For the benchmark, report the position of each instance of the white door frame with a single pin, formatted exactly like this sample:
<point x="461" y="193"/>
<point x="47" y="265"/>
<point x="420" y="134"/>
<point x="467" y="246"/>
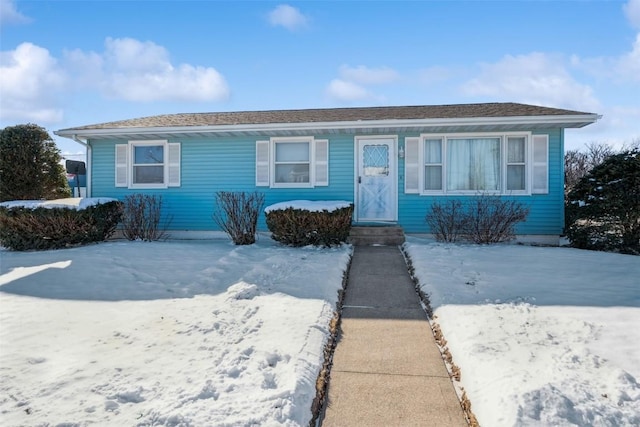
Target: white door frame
<point x="392" y="141"/>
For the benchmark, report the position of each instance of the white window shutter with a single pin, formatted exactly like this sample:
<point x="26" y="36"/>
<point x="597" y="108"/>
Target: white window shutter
<point x="122" y="167"/>
<point x="321" y="165"/>
<point x="262" y="163"/>
<point x="411" y="165"/>
<point x="173" y="162"/>
<point x="540" y="166"/>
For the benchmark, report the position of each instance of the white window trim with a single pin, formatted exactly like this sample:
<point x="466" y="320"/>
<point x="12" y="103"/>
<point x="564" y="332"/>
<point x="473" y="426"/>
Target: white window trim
<point x="444" y="137"/>
<point x="165" y="164"/>
<point x="272" y="163"/>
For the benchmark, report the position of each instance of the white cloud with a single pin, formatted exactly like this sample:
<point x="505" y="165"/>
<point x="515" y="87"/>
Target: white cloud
<point x="536" y="78"/>
<point x="632" y="11"/>
<point x="288" y="17"/>
<point x="628" y="66"/>
<point x="141" y="71"/>
<point x="366" y="75"/>
<point x="185" y="83"/>
<point x="31" y="82"/>
<point x="353" y="81"/>
<point x="129" y="54"/>
<point x="347" y="91"/>
<point x="88" y="67"/>
<point x="620" y="69"/>
<point x="618" y="128"/>
<point x="9" y="13"/>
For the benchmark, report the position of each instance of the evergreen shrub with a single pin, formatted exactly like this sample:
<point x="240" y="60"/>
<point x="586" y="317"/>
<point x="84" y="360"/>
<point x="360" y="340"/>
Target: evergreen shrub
<point x="30" y="165"/>
<point x="299" y="227"/>
<point x="603" y="208"/>
<point x="42" y="228"/>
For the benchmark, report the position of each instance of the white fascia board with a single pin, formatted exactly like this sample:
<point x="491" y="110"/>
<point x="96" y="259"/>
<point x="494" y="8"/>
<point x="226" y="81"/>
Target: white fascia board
<point x="577" y="120"/>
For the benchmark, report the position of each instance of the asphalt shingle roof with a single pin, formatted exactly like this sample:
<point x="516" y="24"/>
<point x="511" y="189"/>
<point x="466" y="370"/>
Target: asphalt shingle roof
<point x="488" y="110"/>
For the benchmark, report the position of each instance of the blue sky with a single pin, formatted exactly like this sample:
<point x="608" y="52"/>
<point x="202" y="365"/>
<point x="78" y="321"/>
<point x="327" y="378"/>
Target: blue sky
<point x="72" y="63"/>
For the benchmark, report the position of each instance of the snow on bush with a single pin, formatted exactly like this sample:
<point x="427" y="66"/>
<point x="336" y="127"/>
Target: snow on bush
<point x="55" y="224"/>
<point x="304" y="222"/>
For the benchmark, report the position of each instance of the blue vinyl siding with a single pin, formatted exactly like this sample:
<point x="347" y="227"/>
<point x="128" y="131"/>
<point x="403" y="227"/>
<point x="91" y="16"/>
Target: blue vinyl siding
<point x="546" y="216"/>
<point x="223" y="164"/>
<point x="228" y="164"/>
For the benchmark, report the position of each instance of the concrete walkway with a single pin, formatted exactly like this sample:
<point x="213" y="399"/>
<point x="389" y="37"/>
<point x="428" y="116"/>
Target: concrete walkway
<point x="387" y="369"/>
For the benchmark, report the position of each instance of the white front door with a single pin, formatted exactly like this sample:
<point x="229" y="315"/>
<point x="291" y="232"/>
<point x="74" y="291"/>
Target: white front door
<point x="376" y="186"/>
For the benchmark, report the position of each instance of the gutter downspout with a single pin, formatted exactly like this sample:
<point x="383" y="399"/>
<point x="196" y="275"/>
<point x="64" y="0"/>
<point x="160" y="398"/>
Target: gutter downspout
<point x="87" y="146"/>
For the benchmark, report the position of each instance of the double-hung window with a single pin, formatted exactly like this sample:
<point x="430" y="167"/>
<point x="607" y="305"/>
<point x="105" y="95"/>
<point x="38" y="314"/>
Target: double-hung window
<point x="289" y="162"/>
<point x="503" y="163"/>
<point x="292" y="162"/>
<point x="516" y="163"/>
<point x="433" y="164"/>
<point x="147" y="164"/>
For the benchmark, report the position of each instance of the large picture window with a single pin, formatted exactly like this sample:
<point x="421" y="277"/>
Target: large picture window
<point x="503" y="163"/>
<point x="473" y="164"/>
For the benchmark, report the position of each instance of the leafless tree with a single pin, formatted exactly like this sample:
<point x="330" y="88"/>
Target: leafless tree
<point x="578" y="163"/>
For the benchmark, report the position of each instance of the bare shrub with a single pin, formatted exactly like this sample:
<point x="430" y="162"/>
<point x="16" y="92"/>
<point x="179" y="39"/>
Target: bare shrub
<point x="237" y="215"/>
<point x="485" y="219"/>
<point x="490" y="219"/>
<point x="445" y="220"/>
<point x="142" y="217"/>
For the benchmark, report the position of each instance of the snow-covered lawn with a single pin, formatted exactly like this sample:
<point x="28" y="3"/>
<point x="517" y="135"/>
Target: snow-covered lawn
<point x="206" y="333"/>
<point x="543" y="336"/>
<point x="167" y="333"/>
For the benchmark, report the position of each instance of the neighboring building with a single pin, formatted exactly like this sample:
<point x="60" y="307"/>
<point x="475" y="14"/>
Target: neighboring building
<point x="392" y="162"/>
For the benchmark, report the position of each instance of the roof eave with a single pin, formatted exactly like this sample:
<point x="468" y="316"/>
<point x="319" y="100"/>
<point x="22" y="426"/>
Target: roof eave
<point x="567" y="121"/>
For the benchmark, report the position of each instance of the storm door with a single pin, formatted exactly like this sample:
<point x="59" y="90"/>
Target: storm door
<point x="376" y="179"/>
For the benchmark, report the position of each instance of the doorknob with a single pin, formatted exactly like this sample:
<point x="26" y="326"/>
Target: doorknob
<point x="359" y="180"/>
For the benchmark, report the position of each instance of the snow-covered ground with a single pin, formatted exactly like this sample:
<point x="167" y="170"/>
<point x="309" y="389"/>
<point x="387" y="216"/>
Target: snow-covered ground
<point x="172" y="333"/>
<point x="543" y="336"/>
<point x="206" y="333"/>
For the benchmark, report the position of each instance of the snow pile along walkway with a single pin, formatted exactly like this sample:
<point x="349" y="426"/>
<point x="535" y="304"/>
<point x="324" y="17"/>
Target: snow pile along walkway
<point x="172" y="333"/>
<point x="543" y="336"/>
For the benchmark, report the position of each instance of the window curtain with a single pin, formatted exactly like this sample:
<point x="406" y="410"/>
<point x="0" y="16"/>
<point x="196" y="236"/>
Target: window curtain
<point x="473" y="164"/>
<point x="516" y="150"/>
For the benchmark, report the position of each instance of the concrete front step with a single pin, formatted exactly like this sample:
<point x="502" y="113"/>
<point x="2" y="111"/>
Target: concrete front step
<point x="376" y="235"/>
